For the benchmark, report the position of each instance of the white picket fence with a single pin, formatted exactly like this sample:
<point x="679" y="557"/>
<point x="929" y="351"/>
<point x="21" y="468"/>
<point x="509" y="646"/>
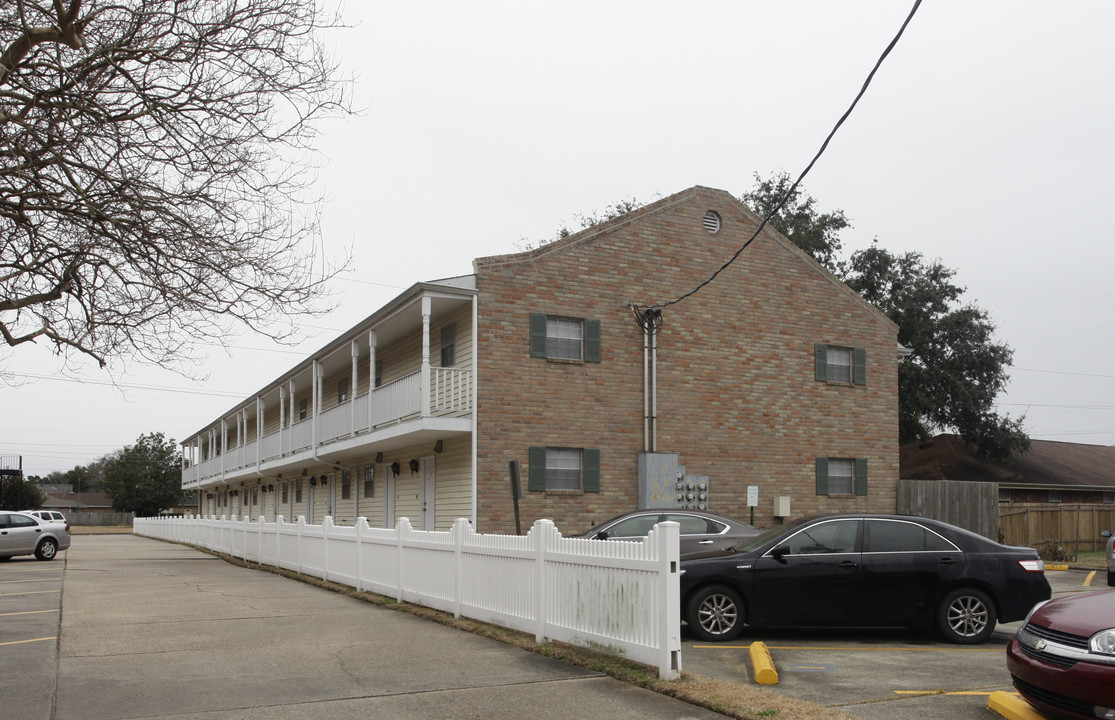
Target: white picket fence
<point x="619" y="596"/>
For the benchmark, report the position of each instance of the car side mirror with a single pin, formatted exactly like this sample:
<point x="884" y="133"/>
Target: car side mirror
<point x="602" y="535"/>
<point x="780" y="553"/>
<point x="1105" y="533"/>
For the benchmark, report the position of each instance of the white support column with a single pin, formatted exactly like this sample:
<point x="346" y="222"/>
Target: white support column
<point x="372" y="340"/>
<point x="425" y="383"/>
<point x="355" y="348"/>
<point x="261" y="407"/>
<point x="315" y="401"/>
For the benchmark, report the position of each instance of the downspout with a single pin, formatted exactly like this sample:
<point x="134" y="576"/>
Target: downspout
<point x="475" y="383"/>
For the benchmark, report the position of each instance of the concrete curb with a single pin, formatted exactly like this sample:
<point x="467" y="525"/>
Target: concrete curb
<point x="1011" y="706"/>
<point x="762" y="664"/>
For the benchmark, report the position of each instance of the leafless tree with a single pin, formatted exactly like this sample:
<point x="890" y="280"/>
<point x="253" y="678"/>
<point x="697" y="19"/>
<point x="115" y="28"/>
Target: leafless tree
<point x="156" y="172"/>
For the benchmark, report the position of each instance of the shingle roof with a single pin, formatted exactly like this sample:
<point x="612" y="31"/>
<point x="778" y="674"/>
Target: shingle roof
<point x="1048" y="464"/>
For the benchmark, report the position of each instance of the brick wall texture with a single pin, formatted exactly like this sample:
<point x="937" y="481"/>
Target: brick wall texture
<point x="737" y="398"/>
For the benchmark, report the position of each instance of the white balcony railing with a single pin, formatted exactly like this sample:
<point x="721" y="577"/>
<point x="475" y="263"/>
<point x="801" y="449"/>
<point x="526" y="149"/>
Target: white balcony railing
<point x="450" y="392"/>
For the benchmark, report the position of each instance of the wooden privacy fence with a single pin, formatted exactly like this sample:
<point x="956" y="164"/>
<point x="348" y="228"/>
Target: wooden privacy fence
<point x="971" y="505"/>
<point x="1072" y="527"/>
<point x="619" y="595"/>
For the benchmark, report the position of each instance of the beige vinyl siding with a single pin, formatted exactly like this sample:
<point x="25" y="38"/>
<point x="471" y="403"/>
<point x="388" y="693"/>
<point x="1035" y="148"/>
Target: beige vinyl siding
<point x="453" y="488"/>
<point x="345" y="513"/>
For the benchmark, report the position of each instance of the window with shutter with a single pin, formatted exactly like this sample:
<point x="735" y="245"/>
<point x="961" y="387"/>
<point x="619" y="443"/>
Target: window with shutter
<point x="564" y="338"/>
<point x="839" y="365"/>
<point x="841" y="476"/>
<point x="551" y="468"/>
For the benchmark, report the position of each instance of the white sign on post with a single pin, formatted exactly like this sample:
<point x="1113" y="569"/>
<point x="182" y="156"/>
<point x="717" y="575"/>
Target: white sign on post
<point x="752" y="495"/>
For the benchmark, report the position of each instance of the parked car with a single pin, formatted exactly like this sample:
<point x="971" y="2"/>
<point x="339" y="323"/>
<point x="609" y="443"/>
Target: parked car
<point x="1062" y="659"/>
<point x="700" y="532"/>
<point x="863" y="571"/>
<point x="54" y="515"/>
<point x="23" y="534"/>
<point x="1110" y="558"/>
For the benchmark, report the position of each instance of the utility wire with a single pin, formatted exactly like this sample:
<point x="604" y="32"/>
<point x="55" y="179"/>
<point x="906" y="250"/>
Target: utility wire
<point x="790" y="192"/>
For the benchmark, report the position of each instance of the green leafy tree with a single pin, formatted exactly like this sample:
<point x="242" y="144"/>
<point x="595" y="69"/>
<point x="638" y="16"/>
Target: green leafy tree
<point x="956" y="368"/>
<point x="815" y="232"/>
<point x="19" y="493"/>
<point x="84" y="478"/>
<point x="144" y="478"/>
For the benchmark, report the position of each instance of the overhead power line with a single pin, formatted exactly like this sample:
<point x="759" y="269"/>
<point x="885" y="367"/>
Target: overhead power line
<point x="790" y="192"/>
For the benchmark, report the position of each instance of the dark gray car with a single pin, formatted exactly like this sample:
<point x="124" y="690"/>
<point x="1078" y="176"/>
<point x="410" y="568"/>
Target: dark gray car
<point x="701" y="532"/>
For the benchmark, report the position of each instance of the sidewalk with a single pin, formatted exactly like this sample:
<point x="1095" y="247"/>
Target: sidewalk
<point x="151" y="629"/>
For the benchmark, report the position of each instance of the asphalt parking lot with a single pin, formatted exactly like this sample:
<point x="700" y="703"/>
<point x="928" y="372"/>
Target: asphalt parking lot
<point x="880" y="675"/>
<point x="30" y="613"/>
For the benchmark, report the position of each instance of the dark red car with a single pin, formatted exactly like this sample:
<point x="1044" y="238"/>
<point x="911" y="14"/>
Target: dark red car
<point x="1062" y="660"/>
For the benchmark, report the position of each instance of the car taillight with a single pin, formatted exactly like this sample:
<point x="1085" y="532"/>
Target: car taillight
<point x="1036" y="566"/>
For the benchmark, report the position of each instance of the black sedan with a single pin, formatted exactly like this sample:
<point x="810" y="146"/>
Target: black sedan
<point x="863" y="571"/>
<point x="700" y="532"/>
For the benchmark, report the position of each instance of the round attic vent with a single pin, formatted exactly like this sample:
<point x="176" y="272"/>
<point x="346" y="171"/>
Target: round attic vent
<point x="711" y="221"/>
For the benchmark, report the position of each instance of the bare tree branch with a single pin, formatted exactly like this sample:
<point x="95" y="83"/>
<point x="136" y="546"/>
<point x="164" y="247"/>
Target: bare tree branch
<point x="155" y="191"/>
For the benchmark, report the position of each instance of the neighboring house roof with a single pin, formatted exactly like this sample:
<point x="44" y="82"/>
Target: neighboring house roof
<point x="1049" y="464"/>
<point x="78" y="501"/>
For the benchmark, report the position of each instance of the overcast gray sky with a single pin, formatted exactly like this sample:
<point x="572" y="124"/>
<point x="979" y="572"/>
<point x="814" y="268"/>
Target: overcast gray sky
<point x="984" y="141"/>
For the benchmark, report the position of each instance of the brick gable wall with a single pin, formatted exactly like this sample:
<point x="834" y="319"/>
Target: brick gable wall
<point x="737" y="398"/>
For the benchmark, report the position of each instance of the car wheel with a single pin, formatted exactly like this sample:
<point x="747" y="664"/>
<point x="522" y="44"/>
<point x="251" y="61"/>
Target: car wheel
<point x="1111" y="578"/>
<point x="5" y="558"/>
<point x="966" y="616"/>
<point x="47" y="549"/>
<point x="715" y="613"/>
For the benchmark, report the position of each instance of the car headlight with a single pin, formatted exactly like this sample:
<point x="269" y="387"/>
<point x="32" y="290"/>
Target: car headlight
<point x="1103" y="642"/>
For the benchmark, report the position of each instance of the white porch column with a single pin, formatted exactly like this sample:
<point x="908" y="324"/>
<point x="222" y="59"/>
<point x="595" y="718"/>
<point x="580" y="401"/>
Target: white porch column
<point x="425" y="383"/>
<point x="372" y="340"/>
<point x="261" y="407"/>
<point x="355" y="349"/>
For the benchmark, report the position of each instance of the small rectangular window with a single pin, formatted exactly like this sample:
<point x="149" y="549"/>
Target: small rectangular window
<point x="564" y="338"/>
<point x="449" y="345"/>
<point x="841" y="473"/>
<point x="841" y="476"/>
<point x="346" y="485"/>
<point x="1054" y="496"/>
<point x="285" y="491"/>
<point x="369" y="481"/>
<point x="302" y="404"/>
<point x="839" y="364"/>
<point x="298" y="490"/>
<point x="342" y="390"/>
<point x="564" y="469"/>
<point x="379" y="373"/>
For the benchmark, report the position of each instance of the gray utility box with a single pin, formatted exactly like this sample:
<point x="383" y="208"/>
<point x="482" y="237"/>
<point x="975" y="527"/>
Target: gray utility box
<point x="663" y="483"/>
<point x="658" y="478"/>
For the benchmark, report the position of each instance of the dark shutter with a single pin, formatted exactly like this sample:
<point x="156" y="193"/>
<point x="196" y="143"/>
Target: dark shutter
<point x="861" y="366"/>
<point x="820" y="361"/>
<point x="592" y="470"/>
<point x="592" y="341"/>
<point x="537" y="335"/>
<point x="822" y="476"/>
<point x="861" y="476"/>
<point x="536" y="469"/>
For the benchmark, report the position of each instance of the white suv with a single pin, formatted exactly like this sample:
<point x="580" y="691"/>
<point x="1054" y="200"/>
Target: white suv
<point x="48" y="515"/>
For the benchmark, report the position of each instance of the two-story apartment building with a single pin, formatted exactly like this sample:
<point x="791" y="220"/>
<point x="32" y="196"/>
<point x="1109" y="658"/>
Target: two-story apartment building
<point x="575" y="360"/>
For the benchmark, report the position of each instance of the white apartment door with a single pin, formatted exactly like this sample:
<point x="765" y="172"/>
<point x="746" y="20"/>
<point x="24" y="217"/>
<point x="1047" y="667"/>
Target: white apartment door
<point x="389" y="499"/>
<point x="331" y="497"/>
<point x="427" y="493"/>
